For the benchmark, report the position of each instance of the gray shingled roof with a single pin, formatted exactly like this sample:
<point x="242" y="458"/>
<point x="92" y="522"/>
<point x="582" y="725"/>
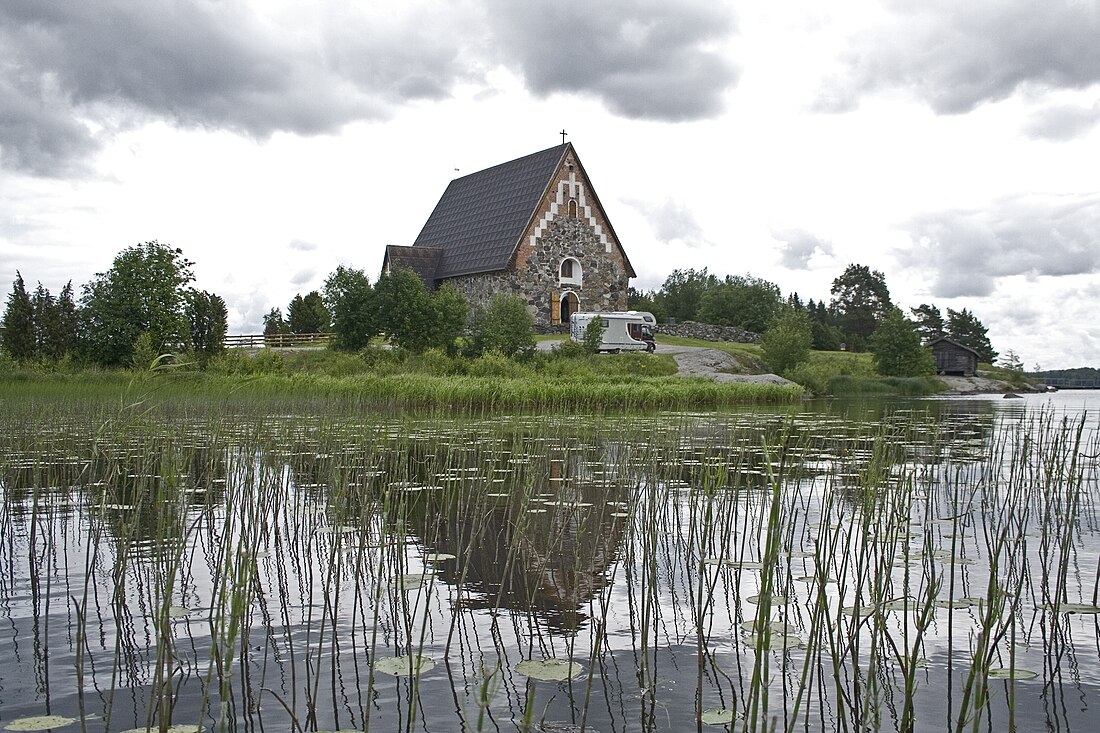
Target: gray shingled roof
<point x="480" y="217"/>
<point x="424" y="261"/>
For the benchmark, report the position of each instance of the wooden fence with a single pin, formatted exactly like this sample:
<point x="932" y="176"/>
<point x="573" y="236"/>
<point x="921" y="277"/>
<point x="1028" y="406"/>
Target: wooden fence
<point x="277" y="340"/>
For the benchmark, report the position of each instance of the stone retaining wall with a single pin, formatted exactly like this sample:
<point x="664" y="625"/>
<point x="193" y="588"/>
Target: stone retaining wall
<point x="708" y="332"/>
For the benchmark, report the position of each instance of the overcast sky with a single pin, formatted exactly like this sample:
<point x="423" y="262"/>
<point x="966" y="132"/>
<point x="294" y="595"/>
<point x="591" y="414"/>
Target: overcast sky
<point x="953" y="146"/>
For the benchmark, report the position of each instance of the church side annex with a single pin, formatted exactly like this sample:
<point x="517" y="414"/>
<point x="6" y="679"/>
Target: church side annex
<point x="532" y="227"/>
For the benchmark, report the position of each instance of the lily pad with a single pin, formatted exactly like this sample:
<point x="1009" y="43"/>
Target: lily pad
<point x="958" y="602"/>
<point x="552" y="670"/>
<point x="777" y="599"/>
<point x="439" y="556"/>
<point x="1085" y="608"/>
<point x="39" y="722"/>
<point x="1007" y="673"/>
<point x="773" y="642"/>
<point x="718" y="716"/>
<point x="411" y="581"/>
<point x="404" y="666"/>
<point x="178" y="612"/>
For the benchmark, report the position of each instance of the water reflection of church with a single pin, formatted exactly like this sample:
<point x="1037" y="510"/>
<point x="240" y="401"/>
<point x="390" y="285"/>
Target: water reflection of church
<point x="544" y="549"/>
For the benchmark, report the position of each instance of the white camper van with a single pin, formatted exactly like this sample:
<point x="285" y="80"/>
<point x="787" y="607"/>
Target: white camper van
<point x="622" y="331"/>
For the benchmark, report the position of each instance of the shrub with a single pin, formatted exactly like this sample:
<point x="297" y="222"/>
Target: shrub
<point x="494" y="364"/>
<point x="504" y="325"/>
<point x="786" y="344"/>
<point x="569" y="349"/>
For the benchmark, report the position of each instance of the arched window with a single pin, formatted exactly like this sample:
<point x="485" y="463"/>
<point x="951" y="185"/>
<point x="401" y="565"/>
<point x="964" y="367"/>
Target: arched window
<point x="570" y="271"/>
<point x="573" y="208"/>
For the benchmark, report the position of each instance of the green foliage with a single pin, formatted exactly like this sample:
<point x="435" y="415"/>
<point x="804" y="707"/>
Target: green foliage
<point x="569" y="349"/>
<point x="592" y="338"/>
<point x="450" y="314"/>
<point x="682" y="293"/>
<point x="143" y="292"/>
<point x="208" y="319"/>
<point x="504" y="324"/>
<point x="929" y="322"/>
<point x="414" y="319"/>
<point x="145" y="354"/>
<point x="494" y="364"/>
<point x="786" y="344"/>
<point x="652" y="302"/>
<point x="860" y="300"/>
<point x="19" y="337"/>
<point x="746" y="302"/>
<point x="965" y="328"/>
<point x="897" y="350"/>
<point x="350" y="297"/>
<point x="274" y="324"/>
<point x="308" y="314"/>
<point x="404" y="308"/>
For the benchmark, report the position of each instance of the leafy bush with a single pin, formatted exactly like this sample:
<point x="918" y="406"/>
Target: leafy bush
<point x="786" y="344"/>
<point x="569" y="349"/>
<point x="504" y="325"/>
<point x="494" y="364"/>
<point x="438" y="362"/>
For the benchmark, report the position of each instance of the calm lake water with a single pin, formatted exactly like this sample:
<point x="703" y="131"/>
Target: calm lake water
<point x="850" y="565"/>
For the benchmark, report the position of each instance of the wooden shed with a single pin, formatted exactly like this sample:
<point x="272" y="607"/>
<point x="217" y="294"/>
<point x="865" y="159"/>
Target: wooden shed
<point x="953" y="358"/>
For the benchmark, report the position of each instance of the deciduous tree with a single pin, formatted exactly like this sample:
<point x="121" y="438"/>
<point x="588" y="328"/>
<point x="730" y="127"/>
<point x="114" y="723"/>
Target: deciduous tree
<point x="208" y="318"/>
<point x="744" y="301"/>
<point x="504" y="324"/>
<point x="896" y="348"/>
<point x="787" y="342"/>
<point x="351" y="299"/>
<point x="144" y="291"/>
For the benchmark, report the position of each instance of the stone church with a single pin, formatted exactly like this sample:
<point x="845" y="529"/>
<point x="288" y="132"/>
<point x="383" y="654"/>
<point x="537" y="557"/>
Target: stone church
<point x="532" y="227"/>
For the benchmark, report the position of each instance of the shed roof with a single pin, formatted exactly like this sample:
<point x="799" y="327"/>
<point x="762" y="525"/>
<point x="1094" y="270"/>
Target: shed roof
<point x="953" y="343"/>
<point x="480" y="218"/>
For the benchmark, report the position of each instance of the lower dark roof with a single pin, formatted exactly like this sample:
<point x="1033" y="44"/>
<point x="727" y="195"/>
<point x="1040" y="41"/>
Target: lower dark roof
<point x="424" y="261"/>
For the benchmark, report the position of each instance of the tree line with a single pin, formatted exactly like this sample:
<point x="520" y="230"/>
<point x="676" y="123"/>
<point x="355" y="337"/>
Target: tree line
<point x="130" y="315"/>
<point x="860" y="306"/>
<point x="400" y="307"/>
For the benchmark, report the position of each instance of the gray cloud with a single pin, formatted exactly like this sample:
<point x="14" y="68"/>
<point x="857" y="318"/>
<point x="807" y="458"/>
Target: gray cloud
<point x="303" y="276"/>
<point x="799" y="247"/>
<point x="1060" y="122"/>
<point x="215" y="65"/>
<point x="71" y="68"/>
<point x="957" y="55"/>
<point x="671" y="221"/>
<point x="965" y="252"/>
<point x="649" y="59"/>
<point x="301" y="245"/>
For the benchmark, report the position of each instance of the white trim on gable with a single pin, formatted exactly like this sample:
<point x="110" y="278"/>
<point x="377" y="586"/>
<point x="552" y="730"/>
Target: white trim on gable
<point x="571" y="189"/>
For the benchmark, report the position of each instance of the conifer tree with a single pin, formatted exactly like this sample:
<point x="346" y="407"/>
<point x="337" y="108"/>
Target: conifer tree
<point x="19" y="337"/>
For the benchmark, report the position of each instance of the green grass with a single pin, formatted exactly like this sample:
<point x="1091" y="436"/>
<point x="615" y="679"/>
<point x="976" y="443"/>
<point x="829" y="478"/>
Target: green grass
<point x="584" y="390"/>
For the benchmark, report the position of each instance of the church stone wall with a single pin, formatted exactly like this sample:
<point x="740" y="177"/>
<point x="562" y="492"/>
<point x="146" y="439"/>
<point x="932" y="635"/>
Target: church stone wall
<point x="604" y="280"/>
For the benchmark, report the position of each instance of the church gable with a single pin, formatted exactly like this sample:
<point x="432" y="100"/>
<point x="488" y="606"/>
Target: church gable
<point x="570" y="195"/>
<point x="533" y="228"/>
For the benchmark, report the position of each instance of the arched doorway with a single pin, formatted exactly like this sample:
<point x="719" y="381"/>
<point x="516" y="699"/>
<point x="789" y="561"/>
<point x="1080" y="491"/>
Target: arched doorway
<point x="570" y="304"/>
